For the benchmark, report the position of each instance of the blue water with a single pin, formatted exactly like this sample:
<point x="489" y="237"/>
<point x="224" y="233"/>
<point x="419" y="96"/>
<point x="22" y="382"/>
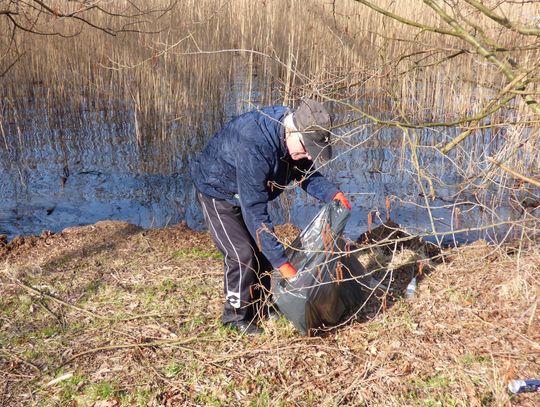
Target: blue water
<point x="74" y="170"/>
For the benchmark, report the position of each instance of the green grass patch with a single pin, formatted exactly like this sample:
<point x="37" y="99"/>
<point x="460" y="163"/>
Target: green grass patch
<point x="460" y="297"/>
<point x="50" y="331"/>
<point x="446" y="401"/>
<point x="173" y="368"/>
<point x="92" y="287"/>
<point x="196" y="253"/>
<point x="168" y="286"/>
<point x="69" y="389"/>
<point x="435" y="382"/>
<point x="374" y="329"/>
<point x="102" y="391"/>
<point x="432" y="391"/>
<point x="471" y="359"/>
<point x="141" y="398"/>
<point x="210" y="399"/>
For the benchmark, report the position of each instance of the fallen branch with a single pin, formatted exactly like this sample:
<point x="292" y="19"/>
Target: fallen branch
<point x="21" y="360"/>
<point x="51" y="297"/>
<point x="135" y="345"/>
<point x="64" y="303"/>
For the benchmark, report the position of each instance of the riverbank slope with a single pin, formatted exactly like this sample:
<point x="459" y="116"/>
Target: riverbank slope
<point x="111" y="314"/>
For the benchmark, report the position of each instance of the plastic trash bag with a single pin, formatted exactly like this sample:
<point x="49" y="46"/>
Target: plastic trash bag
<point x="328" y="286"/>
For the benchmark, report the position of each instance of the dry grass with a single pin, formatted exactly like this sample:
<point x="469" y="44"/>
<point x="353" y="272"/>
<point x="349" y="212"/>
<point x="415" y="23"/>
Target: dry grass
<point x="131" y="317"/>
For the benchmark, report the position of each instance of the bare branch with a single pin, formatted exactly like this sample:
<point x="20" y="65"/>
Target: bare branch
<point x="489" y="55"/>
<point x="2" y="74"/>
<point x="32" y="31"/>
<point x="489" y="109"/>
<point x="515" y="173"/>
<point x="81" y="15"/>
<point x="404" y="20"/>
<point x="503" y="20"/>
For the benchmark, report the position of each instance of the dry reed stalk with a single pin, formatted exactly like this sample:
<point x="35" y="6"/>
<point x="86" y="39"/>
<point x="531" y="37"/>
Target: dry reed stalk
<point x="351" y="39"/>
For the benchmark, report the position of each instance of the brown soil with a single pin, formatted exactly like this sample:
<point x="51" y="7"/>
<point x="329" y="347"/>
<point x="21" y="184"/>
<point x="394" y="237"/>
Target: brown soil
<point x="125" y="316"/>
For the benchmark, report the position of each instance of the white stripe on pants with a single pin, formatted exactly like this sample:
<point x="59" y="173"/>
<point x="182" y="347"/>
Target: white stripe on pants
<point x="244" y="264"/>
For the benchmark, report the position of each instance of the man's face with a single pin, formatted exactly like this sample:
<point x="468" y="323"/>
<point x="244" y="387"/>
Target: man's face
<point x="296" y="147"/>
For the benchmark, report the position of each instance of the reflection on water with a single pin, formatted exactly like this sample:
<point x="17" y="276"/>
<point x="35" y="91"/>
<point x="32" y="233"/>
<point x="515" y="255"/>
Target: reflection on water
<point x="72" y="173"/>
<point x="57" y="171"/>
<point x="378" y="169"/>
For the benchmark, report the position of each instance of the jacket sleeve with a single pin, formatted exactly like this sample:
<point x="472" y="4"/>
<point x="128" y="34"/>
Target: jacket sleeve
<point x="253" y="169"/>
<point x="314" y="183"/>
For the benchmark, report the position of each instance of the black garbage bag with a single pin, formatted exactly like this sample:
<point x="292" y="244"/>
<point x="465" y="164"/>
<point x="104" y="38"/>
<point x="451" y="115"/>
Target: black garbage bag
<point x="328" y="286"/>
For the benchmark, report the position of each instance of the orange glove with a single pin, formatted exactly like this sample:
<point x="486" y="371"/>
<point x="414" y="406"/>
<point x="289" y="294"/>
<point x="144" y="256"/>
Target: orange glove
<point x="344" y="201"/>
<point x="287" y="270"/>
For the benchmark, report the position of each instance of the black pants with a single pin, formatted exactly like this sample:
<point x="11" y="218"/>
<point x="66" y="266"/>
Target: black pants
<point x="247" y="271"/>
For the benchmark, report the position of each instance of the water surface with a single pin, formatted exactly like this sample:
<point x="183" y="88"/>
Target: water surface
<point x="64" y="168"/>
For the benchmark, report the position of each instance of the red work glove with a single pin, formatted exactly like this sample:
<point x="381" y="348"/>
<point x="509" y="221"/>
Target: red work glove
<point x="341" y="198"/>
<point x="287" y="270"/>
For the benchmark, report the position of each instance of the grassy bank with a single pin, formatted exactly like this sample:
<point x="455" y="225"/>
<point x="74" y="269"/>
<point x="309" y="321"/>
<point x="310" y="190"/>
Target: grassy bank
<point x="109" y="314"/>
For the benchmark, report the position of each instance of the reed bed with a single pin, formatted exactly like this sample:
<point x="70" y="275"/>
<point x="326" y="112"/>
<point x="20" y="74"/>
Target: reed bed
<point x="270" y="52"/>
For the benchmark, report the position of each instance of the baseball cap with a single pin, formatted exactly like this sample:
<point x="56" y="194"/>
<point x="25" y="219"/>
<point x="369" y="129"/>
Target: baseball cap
<point x="313" y="121"/>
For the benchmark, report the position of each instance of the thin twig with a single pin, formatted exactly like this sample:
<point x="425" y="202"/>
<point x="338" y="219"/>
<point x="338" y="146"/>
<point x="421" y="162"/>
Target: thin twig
<point x="514" y="173"/>
<point x="60" y="301"/>
<point x="19" y="359"/>
<point x="155" y="344"/>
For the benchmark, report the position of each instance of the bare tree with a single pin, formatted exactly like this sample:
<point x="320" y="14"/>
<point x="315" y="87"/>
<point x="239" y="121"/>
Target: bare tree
<point x="443" y="45"/>
<point x="70" y="18"/>
<point x="466" y="21"/>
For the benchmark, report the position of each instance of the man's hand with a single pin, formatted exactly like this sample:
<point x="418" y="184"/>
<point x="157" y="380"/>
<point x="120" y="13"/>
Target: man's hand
<point x="344" y="201"/>
<point x="287" y="270"/>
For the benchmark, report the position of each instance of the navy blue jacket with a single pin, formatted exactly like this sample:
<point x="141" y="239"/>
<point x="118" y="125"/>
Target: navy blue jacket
<point x="247" y="164"/>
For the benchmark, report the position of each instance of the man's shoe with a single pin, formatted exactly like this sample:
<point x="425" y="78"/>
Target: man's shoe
<point x="244" y="327"/>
